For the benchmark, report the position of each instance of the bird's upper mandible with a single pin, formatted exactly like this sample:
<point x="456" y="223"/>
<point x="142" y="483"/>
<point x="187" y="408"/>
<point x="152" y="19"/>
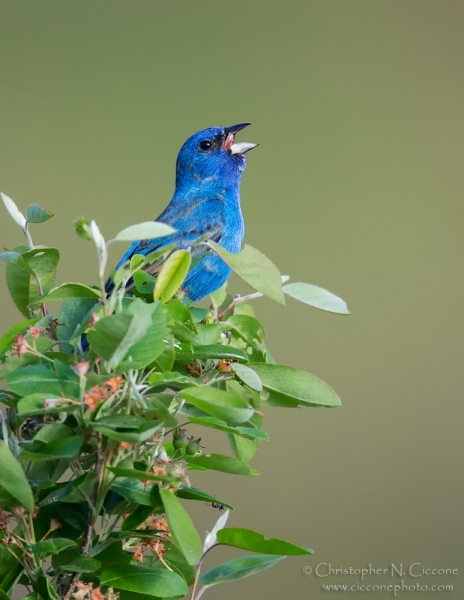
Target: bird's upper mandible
<point x="212" y="154"/>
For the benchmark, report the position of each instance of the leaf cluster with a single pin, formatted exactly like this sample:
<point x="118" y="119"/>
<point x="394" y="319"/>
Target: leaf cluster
<point x="97" y="446"/>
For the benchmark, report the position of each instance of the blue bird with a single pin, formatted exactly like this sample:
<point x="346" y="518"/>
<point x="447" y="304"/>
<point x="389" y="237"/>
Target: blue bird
<point x="206" y="202"/>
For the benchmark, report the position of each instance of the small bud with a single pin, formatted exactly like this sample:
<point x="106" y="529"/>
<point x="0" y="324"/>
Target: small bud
<point x="112" y="595"/>
<point x="55" y="524"/>
<point x="157" y="522"/>
<point x="158" y="548"/>
<point x="95" y="397"/>
<point x="160" y="468"/>
<point x="138" y="554"/>
<point x="178" y="438"/>
<point x="20" y="347"/>
<point x="5" y="516"/>
<point x="193" y="447"/>
<point x="34" y="331"/>
<point x="194" y="369"/>
<point x="83" y="229"/>
<point x="83" y="589"/>
<point x="96" y="594"/>
<point x="163" y="457"/>
<point x="82" y="368"/>
<point x="50" y="402"/>
<point x="124" y="445"/>
<point x="224" y="365"/>
<point x="179" y="469"/>
<point x="94" y="318"/>
<point x="115" y="383"/>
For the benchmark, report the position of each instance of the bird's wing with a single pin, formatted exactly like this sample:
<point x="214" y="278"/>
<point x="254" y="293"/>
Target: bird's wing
<point x="201" y="219"/>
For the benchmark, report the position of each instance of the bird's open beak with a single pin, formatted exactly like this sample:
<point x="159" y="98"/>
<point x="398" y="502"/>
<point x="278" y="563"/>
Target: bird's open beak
<point x="240" y="147"/>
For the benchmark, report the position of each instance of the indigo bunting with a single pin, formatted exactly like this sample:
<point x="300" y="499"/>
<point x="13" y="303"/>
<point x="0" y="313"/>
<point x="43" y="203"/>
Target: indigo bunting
<point x="205" y="205"/>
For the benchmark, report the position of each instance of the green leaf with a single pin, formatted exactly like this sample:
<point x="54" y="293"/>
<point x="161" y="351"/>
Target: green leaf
<point x="75" y="491"/>
<point x="162" y="252"/>
<point x="14" y="362"/>
<point x="43" y="586"/>
<point x="9" y="256"/>
<point x="136" y="261"/>
<point x="290" y="387"/>
<point x="81" y="564"/>
<point x="181" y="528"/>
<point x="120" y="421"/>
<point x="136" y="517"/>
<point x="72" y="514"/>
<point x="210" y="334"/>
<point x="135" y="474"/>
<point x="170" y="379"/>
<point x="135" y="491"/>
<point x="151" y="345"/>
<point x="65" y="448"/>
<point x="160" y="412"/>
<point x="214" y="423"/>
<point x="9" y="399"/>
<point x="176" y="560"/>
<point x="238" y="569"/>
<point x="172" y="275"/>
<point x="158" y="582"/>
<point x="218" y="403"/>
<point x="247" y="376"/>
<point x="177" y="311"/>
<point x="144" y="282"/>
<point x="34" y="379"/>
<point x="112" y="337"/>
<point x="13" y="480"/>
<point x="253" y="541"/>
<point x="191" y="493"/>
<point x="38" y="214"/>
<point x="53" y="432"/>
<point x="215" y="351"/>
<point x="8" y="338"/>
<point x="133" y="436"/>
<point x="72" y="317"/>
<point x="34" y="404"/>
<point x="52" y="546"/>
<point x="218" y="297"/>
<point x="98" y="239"/>
<point x="21" y="287"/>
<point x="255" y="269"/>
<point x="68" y="380"/>
<point x="69" y="290"/>
<point x="317" y="297"/>
<point x="219" y="462"/>
<point x="148" y="230"/>
<point x="248" y="328"/>
<point x="165" y="361"/>
<point x="78" y="490"/>
<point x="14" y="211"/>
<point x="10" y="567"/>
<point x="39" y="261"/>
<point x="244" y="449"/>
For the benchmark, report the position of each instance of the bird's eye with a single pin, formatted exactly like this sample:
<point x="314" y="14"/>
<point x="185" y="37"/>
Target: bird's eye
<point x="205" y="145"/>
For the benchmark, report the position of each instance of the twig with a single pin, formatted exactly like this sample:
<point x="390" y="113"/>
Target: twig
<point x="30" y="243"/>
<point x="197" y="575"/>
<point x="91" y="516"/>
<point x="85" y="550"/>
<point x="253" y="296"/>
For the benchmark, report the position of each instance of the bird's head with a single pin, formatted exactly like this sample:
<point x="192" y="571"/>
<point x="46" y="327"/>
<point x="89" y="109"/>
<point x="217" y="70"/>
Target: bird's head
<point x="212" y="155"/>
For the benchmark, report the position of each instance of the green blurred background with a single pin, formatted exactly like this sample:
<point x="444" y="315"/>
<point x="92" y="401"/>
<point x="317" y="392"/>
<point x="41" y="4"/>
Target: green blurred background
<point x="356" y="186"/>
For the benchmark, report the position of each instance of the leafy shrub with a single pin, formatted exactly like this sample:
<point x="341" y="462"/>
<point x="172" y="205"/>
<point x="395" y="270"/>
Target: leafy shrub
<point x="96" y="451"/>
